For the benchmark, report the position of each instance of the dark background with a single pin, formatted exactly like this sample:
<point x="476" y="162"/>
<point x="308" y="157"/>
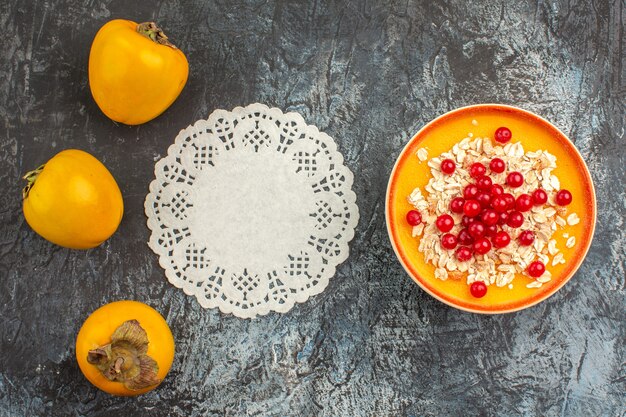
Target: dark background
<point x="370" y="74"/>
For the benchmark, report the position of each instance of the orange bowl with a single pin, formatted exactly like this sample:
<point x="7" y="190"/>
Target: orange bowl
<point x="534" y="133"/>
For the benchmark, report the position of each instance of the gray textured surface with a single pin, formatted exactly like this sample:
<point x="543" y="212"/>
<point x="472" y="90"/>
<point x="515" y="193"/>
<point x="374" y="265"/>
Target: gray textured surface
<point x="370" y="74"/>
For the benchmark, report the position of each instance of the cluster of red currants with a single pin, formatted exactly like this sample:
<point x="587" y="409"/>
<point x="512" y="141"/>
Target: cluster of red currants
<point x="486" y="207"/>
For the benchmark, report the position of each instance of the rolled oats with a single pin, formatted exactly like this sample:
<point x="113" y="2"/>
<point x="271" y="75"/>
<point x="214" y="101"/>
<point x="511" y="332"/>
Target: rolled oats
<point x="573" y="219"/>
<point x="441" y="273"/>
<point x="552" y="250"/>
<point x="558" y="259"/>
<point x="417" y="230"/>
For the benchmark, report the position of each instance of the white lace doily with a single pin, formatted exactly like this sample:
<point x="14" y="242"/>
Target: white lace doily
<point x="251" y="210"/>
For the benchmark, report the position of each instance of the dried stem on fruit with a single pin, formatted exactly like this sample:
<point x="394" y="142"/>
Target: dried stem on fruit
<point x="31" y="177"/>
<point x="124" y="359"/>
<point x="152" y="31"/>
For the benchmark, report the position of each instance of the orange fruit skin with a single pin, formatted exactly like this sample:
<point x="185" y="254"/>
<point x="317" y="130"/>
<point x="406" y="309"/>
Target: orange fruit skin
<point x="132" y="78"/>
<point x="75" y="201"/>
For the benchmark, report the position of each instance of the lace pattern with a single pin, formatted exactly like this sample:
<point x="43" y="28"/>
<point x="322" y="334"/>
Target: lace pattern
<point x="251" y="210"/>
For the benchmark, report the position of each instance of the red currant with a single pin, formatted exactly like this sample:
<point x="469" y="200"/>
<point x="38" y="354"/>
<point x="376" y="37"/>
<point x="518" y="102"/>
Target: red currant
<point x="499" y="203"/>
<point x="563" y="197"/>
<point x="471" y="208"/>
<point x="540" y="197"/>
<point x="477" y="170"/>
<point x="526" y="238"/>
<point x="456" y="205"/>
<point x="503" y="218"/>
<point x="465" y="221"/>
<point x="497" y="165"/>
<point x="496" y="189"/>
<point x="445" y="223"/>
<point x="484" y="182"/>
<point x="448" y="166"/>
<point x="536" y="269"/>
<point x="491" y="231"/>
<point x="413" y="217"/>
<point x="484" y="199"/>
<point x="514" y="179"/>
<point x="465" y="238"/>
<point x="448" y="241"/>
<point x="482" y="246"/>
<point x="470" y="191"/>
<point x="501" y="239"/>
<point x="510" y="201"/>
<point x="463" y="254"/>
<point x="476" y="229"/>
<point x="503" y="134"/>
<point x="515" y="219"/>
<point x="524" y="202"/>
<point x="489" y="217"/>
<point x="478" y="289"/>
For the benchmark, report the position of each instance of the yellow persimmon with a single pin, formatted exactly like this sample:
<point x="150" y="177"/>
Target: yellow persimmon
<point x="125" y="348"/>
<point x="73" y="200"/>
<point x="135" y="73"/>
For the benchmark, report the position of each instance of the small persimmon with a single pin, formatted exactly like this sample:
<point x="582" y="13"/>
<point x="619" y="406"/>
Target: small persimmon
<point x="73" y="200"/>
<point x="135" y="72"/>
<point x="125" y="348"/>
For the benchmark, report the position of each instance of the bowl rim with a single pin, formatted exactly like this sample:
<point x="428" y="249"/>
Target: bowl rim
<point x="418" y="279"/>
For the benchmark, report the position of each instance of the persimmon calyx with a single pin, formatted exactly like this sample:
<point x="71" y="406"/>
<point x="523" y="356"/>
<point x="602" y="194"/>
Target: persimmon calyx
<point x="124" y="359"/>
<point x="31" y="177"/>
<point x="152" y="31"/>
